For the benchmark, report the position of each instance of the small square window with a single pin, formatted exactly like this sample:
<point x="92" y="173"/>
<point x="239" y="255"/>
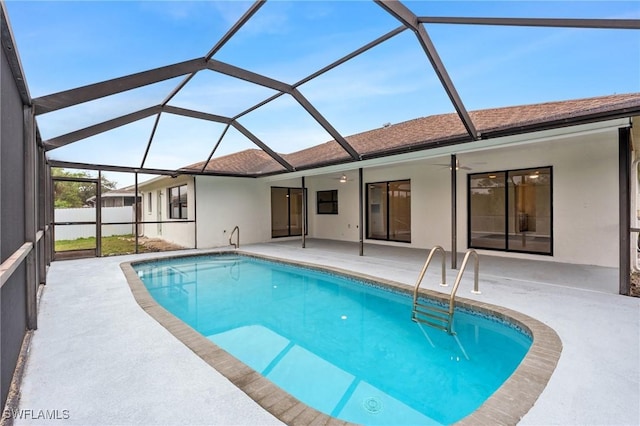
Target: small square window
<point x="327" y="202"/>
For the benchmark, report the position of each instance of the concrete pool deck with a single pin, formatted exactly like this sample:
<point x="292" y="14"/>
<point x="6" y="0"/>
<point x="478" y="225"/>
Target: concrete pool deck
<point x="101" y="358"/>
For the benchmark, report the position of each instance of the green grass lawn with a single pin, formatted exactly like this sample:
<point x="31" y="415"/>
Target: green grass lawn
<point x="116" y="244"/>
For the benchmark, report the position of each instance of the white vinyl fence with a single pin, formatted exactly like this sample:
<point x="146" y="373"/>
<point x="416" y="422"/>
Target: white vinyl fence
<point x="88" y="214"/>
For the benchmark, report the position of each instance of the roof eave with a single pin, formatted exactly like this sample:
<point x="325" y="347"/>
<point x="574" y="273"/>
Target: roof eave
<point x="562" y="122"/>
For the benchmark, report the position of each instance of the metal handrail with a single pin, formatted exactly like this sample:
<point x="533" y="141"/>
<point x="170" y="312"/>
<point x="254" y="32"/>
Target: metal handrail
<point x="237" y="243"/>
<point x="456" y="284"/>
<point x="424" y="270"/>
<point x="437" y="317"/>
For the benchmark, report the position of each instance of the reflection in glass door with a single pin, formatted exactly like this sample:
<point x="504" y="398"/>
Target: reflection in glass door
<point x="389" y="211"/>
<point x="286" y="212"/>
<point x="487" y="206"/>
<point x="377" y="211"/>
<point x="511" y="210"/>
<point x="529" y="210"/>
<point x="400" y="211"/>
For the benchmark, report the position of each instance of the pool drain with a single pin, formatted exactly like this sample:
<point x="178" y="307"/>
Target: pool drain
<point x="372" y="405"/>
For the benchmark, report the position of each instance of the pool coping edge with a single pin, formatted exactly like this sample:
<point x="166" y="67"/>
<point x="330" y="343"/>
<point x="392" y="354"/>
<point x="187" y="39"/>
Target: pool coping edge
<point x="507" y="405"/>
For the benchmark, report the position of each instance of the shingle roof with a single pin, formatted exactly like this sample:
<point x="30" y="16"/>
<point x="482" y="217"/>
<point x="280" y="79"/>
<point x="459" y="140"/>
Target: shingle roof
<point x="249" y="161"/>
<point x="420" y="133"/>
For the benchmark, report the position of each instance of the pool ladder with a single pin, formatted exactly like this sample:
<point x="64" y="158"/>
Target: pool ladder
<point x="438" y="317"/>
<point x="237" y="243"/>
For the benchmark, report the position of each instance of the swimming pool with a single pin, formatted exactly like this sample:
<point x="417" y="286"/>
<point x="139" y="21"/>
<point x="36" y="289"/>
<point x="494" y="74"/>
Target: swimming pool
<point x="348" y="349"/>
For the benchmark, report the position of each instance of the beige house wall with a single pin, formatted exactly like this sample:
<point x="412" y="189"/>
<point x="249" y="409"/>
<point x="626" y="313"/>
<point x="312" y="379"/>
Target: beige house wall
<point x="585" y="199"/>
<point x="224" y="203"/>
<point x="177" y="231"/>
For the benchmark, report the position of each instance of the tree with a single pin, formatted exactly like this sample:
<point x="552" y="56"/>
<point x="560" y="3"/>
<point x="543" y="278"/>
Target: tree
<point x="69" y="194"/>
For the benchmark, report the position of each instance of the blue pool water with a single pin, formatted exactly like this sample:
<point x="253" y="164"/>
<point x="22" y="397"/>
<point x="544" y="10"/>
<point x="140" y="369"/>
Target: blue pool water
<point x="344" y="347"/>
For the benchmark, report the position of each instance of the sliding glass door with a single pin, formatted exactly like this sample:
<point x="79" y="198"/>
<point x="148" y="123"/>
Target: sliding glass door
<point x="286" y="212"/>
<point x="389" y="211"/>
<point x="511" y="210"/>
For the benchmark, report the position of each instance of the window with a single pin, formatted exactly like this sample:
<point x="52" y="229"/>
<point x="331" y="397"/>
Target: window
<point x="327" y="202"/>
<point x="511" y="210"/>
<point x="129" y="201"/>
<point x="178" y="202"/>
<point x="389" y="211"/>
<point x="286" y="212"/>
<point x="149" y="205"/>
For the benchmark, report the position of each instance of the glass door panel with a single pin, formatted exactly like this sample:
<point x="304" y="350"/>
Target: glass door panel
<point x="530" y="210"/>
<point x="487" y="211"/>
<point x="377" y="211"/>
<point x="400" y="211"/>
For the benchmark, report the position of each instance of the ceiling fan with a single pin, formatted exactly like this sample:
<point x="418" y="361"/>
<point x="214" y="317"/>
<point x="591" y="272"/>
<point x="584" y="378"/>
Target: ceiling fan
<point x="342" y="178"/>
<point x="458" y="166"/>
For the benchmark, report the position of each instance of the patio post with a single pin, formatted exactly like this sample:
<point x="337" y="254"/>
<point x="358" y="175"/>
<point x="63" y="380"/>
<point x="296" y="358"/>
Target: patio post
<point x="41" y="211"/>
<point x="454" y="212"/>
<point x="624" y="181"/>
<point x="135" y="210"/>
<point x="48" y="214"/>
<point x="360" y="213"/>
<point x="195" y="216"/>
<point x="51" y="240"/>
<point x="99" y="215"/>
<point x="304" y="214"/>
<point x="30" y="219"/>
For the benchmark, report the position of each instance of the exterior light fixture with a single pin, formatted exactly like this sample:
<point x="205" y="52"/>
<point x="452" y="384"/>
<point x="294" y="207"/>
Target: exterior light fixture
<point x="343" y="179"/>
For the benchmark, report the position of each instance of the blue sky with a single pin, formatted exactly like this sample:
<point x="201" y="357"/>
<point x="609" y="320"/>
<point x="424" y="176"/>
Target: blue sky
<point x="69" y="44"/>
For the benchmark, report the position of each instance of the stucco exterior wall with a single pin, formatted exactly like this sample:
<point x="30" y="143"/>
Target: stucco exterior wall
<point x="178" y="231"/>
<point x="224" y="203"/>
<point x="344" y="225"/>
<point x="585" y="199"/>
<point x="584" y="196"/>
